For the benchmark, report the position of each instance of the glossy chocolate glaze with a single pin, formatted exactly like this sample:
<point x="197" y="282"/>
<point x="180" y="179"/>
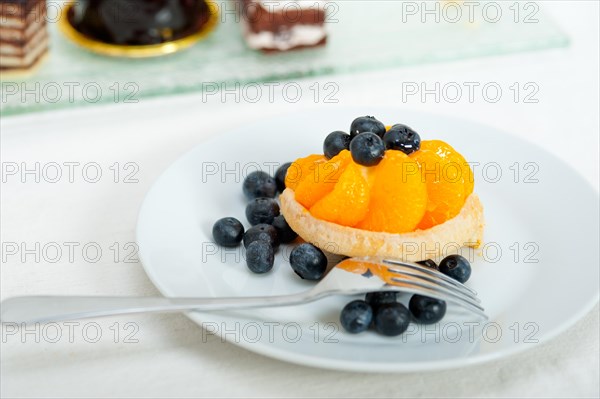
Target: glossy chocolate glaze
<point x="138" y="22"/>
<point x="260" y="19"/>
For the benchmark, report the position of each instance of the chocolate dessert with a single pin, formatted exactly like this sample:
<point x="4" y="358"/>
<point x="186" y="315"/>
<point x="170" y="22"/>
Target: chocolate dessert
<point x="23" y="34"/>
<point x="138" y="22"/>
<point x="283" y="25"/>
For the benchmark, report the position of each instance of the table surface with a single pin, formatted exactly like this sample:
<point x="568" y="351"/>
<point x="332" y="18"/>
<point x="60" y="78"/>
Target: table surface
<point x="168" y="355"/>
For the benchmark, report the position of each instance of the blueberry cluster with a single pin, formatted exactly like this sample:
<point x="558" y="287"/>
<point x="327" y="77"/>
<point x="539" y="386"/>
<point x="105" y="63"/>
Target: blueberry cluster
<point x="269" y="229"/>
<point x="382" y="311"/>
<point x="369" y="139"/>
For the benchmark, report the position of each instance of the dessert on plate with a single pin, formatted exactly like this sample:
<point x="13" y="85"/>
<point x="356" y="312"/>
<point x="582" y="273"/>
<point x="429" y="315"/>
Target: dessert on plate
<point x="138" y="22"/>
<point x="23" y="34"/>
<point x="382" y="192"/>
<point x="378" y="192"/>
<point x="274" y="26"/>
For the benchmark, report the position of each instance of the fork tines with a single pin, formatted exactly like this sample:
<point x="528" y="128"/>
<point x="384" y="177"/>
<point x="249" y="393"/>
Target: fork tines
<point x="437" y="283"/>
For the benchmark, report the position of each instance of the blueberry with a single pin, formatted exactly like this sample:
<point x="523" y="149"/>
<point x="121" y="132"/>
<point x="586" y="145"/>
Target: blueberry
<point x="376" y="299"/>
<point x="391" y="319"/>
<point x="308" y="261"/>
<point x="259" y="184"/>
<point x="457" y="267"/>
<point x="356" y="316"/>
<point x="284" y="231"/>
<point x="262" y="210"/>
<point x="367" y="149"/>
<point x="335" y="142"/>
<point x="427" y="310"/>
<point x="280" y="176"/>
<point x="366" y="124"/>
<point x="402" y="138"/>
<point x="261" y="232"/>
<point x="428" y="263"/>
<point x="228" y="232"/>
<point x="260" y="256"/>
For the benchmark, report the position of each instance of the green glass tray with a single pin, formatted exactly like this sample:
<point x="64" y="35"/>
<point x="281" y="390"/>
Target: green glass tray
<point x="363" y="35"/>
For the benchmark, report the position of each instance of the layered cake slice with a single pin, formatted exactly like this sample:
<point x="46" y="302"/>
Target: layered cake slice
<point x="23" y="34"/>
<point x="284" y="24"/>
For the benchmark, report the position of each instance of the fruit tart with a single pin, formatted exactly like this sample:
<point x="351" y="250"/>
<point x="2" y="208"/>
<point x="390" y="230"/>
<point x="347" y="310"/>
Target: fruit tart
<point x="382" y="192"/>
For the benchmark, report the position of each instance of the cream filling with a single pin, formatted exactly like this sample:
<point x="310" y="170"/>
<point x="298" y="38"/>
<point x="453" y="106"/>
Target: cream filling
<point x="15" y="61"/>
<point x="22" y="33"/>
<point x="19" y="50"/>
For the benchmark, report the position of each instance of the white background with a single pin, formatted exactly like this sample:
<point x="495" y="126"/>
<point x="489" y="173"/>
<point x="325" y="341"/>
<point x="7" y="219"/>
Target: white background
<point x="173" y="357"/>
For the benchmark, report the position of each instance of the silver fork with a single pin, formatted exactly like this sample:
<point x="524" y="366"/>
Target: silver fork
<point x="382" y="275"/>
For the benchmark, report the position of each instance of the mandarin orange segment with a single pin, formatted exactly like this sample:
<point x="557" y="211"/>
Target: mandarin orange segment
<point x="361" y="267"/>
<point x="302" y="168"/>
<point x="398" y="195"/>
<point x="354" y="266"/>
<point x="321" y="180"/>
<point x="449" y="181"/>
<point x="469" y="178"/>
<point x="348" y="202"/>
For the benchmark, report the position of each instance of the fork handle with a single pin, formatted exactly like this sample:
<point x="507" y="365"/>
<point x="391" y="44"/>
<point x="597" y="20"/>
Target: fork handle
<point x="40" y="309"/>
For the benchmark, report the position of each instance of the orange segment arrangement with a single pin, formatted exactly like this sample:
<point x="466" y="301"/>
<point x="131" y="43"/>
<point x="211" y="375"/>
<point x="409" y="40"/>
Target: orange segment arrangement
<point x="403" y="193"/>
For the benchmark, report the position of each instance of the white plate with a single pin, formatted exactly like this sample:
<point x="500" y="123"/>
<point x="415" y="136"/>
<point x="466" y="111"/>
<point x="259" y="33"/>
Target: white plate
<point x="532" y="290"/>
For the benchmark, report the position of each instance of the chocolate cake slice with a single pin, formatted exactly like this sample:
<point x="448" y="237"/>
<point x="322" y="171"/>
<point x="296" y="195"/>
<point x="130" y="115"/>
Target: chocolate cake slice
<point x="23" y="33"/>
<point x="283" y="25"/>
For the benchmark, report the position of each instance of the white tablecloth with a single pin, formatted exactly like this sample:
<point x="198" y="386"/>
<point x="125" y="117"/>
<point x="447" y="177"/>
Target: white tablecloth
<point x="168" y="355"/>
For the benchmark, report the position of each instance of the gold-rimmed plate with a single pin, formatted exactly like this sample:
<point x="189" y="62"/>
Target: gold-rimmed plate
<point x="136" y="51"/>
